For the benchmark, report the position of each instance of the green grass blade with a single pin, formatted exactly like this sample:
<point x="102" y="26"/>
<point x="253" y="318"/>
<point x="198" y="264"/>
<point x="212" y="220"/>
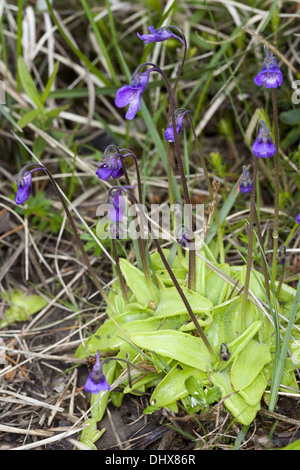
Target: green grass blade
<point x="284" y="349"/>
<point x="92" y="68"/>
<point x="101" y="43"/>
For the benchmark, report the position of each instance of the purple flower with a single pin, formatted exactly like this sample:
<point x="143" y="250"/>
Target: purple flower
<point x="298" y="219"/>
<point x="110" y="167"/>
<point x="179" y="115"/>
<point x="270" y="73"/>
<point x="183" y="236"/>
<point x="132" y="94"/>
<point x="245" y="181"/>
<point x="159" y="35"/>
<point x="96" y="381"/>
<point x="24" y="182"/>
<point x="24" y="188"/>
<point x="263" y="146"/>
<point x="117" y="203"/>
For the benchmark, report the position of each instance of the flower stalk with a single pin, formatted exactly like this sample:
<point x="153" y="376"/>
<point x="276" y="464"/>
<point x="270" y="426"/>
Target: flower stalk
<point x="192" y="256"/>
<point x="22" y="177"/>
<point x="250" y="247"/>
<point x="210" y="190"/>
<point x="276" y="184"/>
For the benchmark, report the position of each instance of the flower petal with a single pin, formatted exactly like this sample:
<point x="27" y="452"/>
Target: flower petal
<point x="124" y="96"/>
<point x="104" y="171"/>
<point x="117" y="208"/>
<point x="263" y="150"/>
<point x="134" y="106"/>
<point x="24" y="189"/>
<point x="260" y="79"/>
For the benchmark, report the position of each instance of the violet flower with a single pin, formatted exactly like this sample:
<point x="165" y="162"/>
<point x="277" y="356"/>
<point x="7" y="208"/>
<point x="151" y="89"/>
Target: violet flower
<point x="183" y="236"/>
<point x="96" y="381"/>
<point x="117" y="202"/>
<point x="246" y="184"/>
<point x="179" y="115"/>
<point x="132" y="94"/>
<point x="298" y="219"/>
<point x="110" y="167"/>
<point x="270" y="74"/>
<point x="24" y="183"/>
<point x="263" y="146"/>
<point x="159" y="35"/>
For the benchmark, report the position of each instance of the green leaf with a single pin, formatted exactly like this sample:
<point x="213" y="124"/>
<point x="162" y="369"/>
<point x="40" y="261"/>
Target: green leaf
<point x="135" y="280"/>
<point x="172" y="387"/>
<point x="216" y="289"/>
<point x="293" y="446"/>
<point x="28" y="117"/>
<point x="171" y="303"/>
<point x="158" y="263"/>
<point x="56" y="111"/>
<point x="234" y="402"/>
<point x="200" y="276"/>
<point x="213" y="394"/>
<point x="102" y="45"/>
<point x="225" y="322"/>
<point x="149" y="380"/>
<point x="237" y="345"/>
<point x="143" y="326"/>
<point x="254" y="392"/>
<point x="182" y="347"/>
<point x="249" y="363"/>
<point x="49" y="83"/>
<point x="291" y="117"/>
<point x="102" y="338"/>
<point x="291" y="138"/>
<point x="21" y="307"/>
<point x="90" y="434"/>
<point x="278" y="370"/>
<point x="28" y="83"/>
<point x="164" y="276"/>
<point x="8" y="116"/>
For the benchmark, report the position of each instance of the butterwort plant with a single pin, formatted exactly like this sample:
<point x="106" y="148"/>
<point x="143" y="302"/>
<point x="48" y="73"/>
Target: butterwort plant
<point x="229" y="360"/>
